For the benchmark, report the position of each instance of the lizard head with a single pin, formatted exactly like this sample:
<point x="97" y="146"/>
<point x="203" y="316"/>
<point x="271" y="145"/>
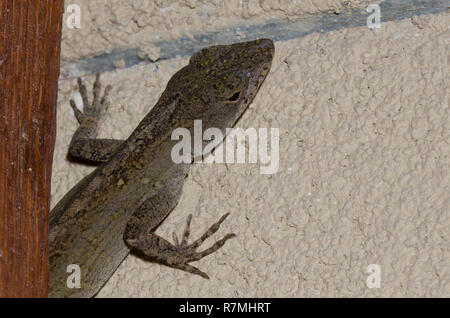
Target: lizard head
<point x="232" y="75"/>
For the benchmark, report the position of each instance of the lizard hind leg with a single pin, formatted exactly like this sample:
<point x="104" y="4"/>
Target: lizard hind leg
<point x="181" y="254"/>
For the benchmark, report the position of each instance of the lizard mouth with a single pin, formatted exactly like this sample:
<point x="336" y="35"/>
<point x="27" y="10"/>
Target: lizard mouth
<point x="265" y="44"/>
<point x="253" y="86"/>
<point x="260" y="66"/>
<point x="262" y="61"/>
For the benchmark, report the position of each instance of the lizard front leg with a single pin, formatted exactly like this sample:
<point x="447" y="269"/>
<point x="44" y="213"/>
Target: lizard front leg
<point x="138" y="236"/>
<point x="83" y="144"/>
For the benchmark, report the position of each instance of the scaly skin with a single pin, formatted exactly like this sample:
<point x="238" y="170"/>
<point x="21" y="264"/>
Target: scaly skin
<point x="118" y="206"/>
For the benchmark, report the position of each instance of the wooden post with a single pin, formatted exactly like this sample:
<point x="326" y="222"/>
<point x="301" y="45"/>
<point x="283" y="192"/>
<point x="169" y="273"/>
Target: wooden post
<point x="30" y="37"/>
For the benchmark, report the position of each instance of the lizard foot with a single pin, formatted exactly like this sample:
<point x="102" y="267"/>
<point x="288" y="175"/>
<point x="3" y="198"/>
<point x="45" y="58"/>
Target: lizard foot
<point x="189" y="253"/>
<point x="98" y="107"/>
<point x="180" y="254"/>
<point x="84" y="145"/>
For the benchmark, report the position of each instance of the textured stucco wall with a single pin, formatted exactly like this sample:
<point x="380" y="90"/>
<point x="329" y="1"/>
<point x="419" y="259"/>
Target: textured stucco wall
<point x="363" y="179"/>
<point x="111" y="24"/>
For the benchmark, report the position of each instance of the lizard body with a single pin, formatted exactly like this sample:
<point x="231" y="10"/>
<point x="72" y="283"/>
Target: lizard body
<point x="118" y="206"/>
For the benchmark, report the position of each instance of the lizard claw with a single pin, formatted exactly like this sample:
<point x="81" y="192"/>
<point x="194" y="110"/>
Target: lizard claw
<point x="179" y="254"/>
<point x="185" y="253"/>
<point x="98" y="107"/>
<point x="189" y="251"/>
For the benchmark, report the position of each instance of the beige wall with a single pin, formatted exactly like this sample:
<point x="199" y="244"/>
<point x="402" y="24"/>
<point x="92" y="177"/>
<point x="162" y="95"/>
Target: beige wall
<point x="364" y="161"/>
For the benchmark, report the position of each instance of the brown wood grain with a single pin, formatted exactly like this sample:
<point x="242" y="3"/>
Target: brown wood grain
<point x="30" y="37"/>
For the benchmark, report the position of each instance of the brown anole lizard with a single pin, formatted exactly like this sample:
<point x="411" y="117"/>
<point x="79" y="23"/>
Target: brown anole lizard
<point x="118" y="206"/>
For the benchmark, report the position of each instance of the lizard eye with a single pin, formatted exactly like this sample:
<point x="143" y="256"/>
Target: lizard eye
<point x="235" y="97"/>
